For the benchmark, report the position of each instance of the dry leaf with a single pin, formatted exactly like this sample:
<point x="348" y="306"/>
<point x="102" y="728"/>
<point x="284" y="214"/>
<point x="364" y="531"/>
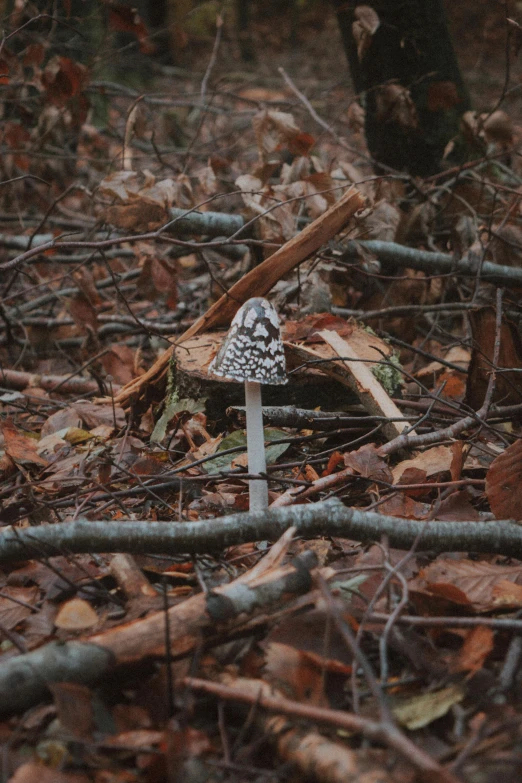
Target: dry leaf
<point x="507" y="384"/>
<point x="76" y="615"/>
<point x="395" y="105"/>
<point x="504" y="483"/>
<point x="119" y="363"/>
<point x="93" y="415"/>
<point x="21" y="448"/>
<point x="36" y="772"/>
<point x="275" y="130"/>
<point x="475" y="580"/>
<point x="478" y="644"/>
<point x="431" y="462"/>
<point x="61" y="420"/>
<point x="366" y="23"/>
<point x="367" y="463"/>
<point x="506" y="593"/>
<point x="498" y="128"/>
<point x="422" y="710"/>
<point x="11" y="612"/>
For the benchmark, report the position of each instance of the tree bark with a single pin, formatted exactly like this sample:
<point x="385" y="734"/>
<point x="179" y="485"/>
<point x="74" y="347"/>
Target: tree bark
<point x="406" y="129"/>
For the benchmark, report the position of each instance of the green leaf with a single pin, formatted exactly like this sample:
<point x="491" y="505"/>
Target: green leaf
<point x="238" y="439"/>
<point x="172" y="407"/>
<point x="350" y="586"/>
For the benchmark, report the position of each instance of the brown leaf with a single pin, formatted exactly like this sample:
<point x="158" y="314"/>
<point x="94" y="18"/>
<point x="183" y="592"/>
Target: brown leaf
<point x="454" y="385"/>
<point x="122" y="185"/>
<point x="449" y="593"/>
<point x="137" y="216"/>
<point x="4" y="71"/>
<point x="477" y="646"/>
<point x="432" y="462"/>
<point x="165" y="280"/>
<point x="64" y="572"/>
<point x="306" y="329"/>
<point x="83" y="313"/>
<point x="301" y="143"/>
<point x="76" y="615"/>
<point x="402" y="505"/>
<point x="507" y="594"/>
<point x="295" y="673"/>
<point x="63" y="79"/>
<point x="367" y="463"/>
<point x="504" y="483"/>
<point x="335" y="459"/>
<point x="137" y="738"/>
<point x="322" y="181"/>
<point x="7" y="466"/>
<point x="127" y="19"/>
<point x="35" y="772"/>
<point x="506" y="244"/>
<point x="475" y="580"/>
<point x="420" y="710"/>
<point x="66" y="472"/>
<point x="498" y="128"/>
<point x="300" y="650"/>
<point x="34" y="55"/>
<point x="395" y="105"/>
<point x="119" y="362"/>
<point x="61" y="420"/>
<point x="368" y="18"/>
<point x="413" y="476"/>
<point x="456" y="507"/>
<point x="366" y="23"/>
<point x="21" y="448"/>
<point x="12" y="613"/>
<point x="95" y="415"/>
<point x="507" y="385"/>
<point x="275" y="130"/>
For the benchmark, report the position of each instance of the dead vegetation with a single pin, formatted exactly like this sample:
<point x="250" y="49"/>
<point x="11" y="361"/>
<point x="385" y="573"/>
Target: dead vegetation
<point x="367" y="627"/>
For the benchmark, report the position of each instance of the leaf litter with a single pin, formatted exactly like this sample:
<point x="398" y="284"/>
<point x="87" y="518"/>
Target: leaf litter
<point x="108" y="415"/>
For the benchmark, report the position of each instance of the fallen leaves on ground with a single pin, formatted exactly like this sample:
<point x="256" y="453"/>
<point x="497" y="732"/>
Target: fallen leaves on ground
<point x="108" y="414"/>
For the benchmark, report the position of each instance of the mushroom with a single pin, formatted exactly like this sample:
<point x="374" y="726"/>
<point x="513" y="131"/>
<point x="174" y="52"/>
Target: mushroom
<point x="253" y="352"/>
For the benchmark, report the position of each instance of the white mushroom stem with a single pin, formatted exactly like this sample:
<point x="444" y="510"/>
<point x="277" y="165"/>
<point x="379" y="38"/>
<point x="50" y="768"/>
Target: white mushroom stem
<point x="255" y="446"/>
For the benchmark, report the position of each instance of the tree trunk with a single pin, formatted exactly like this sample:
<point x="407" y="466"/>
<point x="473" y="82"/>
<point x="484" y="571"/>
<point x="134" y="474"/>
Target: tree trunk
<point x="402" y="61"/>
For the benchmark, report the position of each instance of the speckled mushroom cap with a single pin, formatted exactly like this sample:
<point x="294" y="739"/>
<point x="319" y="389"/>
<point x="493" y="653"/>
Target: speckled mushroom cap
<point x="252" y="350"/>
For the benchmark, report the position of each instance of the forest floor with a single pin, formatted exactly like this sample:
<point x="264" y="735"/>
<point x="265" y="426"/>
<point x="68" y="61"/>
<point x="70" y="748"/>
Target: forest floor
<point x="367" y="626"/>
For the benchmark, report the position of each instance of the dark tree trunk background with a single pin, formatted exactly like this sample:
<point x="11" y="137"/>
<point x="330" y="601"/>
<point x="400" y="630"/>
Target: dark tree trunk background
<point x="411" y="48"/>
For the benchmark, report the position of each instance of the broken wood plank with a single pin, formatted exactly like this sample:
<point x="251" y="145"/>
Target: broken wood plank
<point x="363" y="382"/>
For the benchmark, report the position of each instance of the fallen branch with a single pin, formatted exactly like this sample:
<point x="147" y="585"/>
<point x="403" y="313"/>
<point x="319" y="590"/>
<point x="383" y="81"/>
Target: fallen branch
<point x="259" y="693"/>
<point x="258" y="281"/>
<point x="306" y="419"/>
<point x="184" y="221"/>
<point x="212" y="224"/>
<point x="327" y="518"/>
<point x="429" y="262"/>
<point x="14" y="379"/>
<point x="24" y="679"/>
